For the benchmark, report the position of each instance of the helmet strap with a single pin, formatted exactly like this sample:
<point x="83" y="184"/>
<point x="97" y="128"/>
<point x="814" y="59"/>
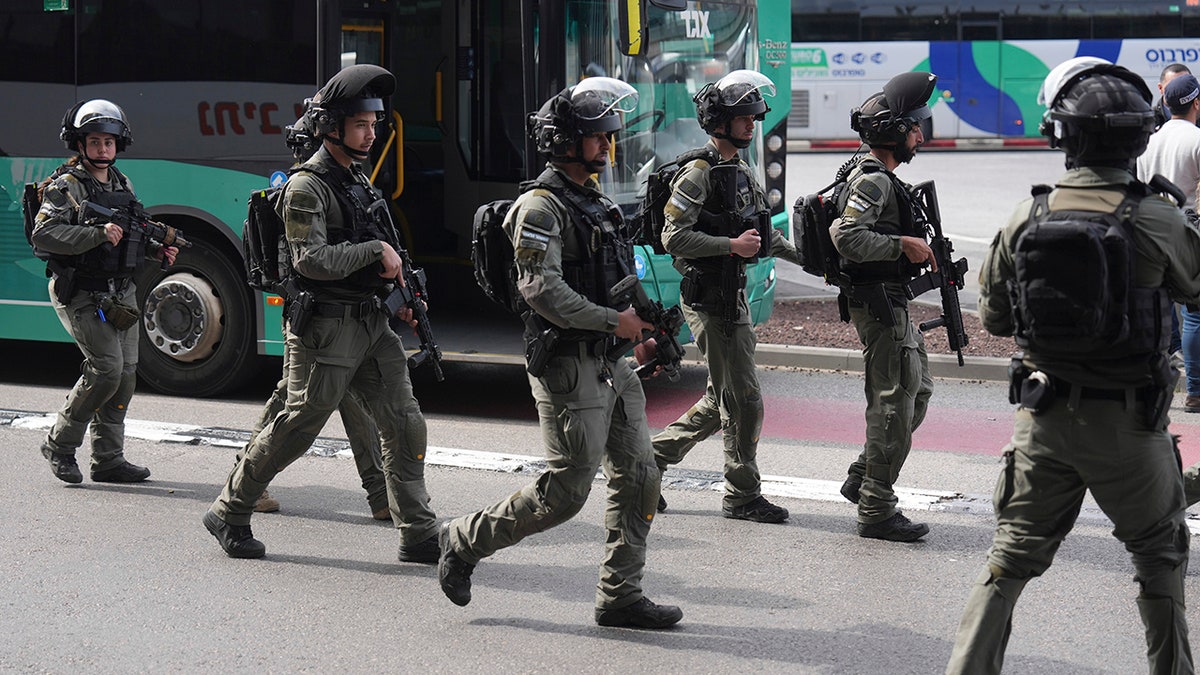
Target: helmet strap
<point x="726" y="135"/>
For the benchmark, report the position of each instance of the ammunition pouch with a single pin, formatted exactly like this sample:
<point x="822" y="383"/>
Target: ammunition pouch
<point x="703" y="292"/>
<point x="119" y="314"/>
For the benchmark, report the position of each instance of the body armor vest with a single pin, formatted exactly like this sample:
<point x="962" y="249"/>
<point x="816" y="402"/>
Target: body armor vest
<point x="364" y="218"/>
<point x="104" y="261"/>
<point x="597" y="251"/>
<point x="715" y="219"/>
<point x="899" y="270"/>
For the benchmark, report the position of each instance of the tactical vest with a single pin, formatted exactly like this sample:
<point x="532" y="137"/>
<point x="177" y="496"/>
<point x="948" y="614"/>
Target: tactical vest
<point x="1074" y="296"/>
<point x="878" y="271"/>
<point x="364" y="218"/>
<point x="597" y="252"/>
<point x="104" y="261"/>
<point x="712" y="220"/>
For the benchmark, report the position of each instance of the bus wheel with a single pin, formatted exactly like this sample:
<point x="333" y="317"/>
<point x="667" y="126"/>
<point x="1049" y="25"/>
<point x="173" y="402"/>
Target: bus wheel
<point x="197" y="325"/>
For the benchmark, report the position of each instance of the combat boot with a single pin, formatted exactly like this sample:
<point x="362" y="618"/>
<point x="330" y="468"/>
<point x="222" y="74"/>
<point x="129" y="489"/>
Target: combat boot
<point x="454" y="573"/>
<point x="641" y="614"/>
<point x="896" y="528"/>
<point x="124" y="472"/>
<point x="662" y="504"/>
<point x="420" y="552"/>
<point x="851" y="486"/>
<point x="266" y="503"/>
<point x="63" y="466"/>
<point x="760" y="511"/>
<point x="237" y="540"/>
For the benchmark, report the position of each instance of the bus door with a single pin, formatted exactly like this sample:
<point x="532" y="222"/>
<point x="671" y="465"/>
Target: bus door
<point x="983" y="109"/>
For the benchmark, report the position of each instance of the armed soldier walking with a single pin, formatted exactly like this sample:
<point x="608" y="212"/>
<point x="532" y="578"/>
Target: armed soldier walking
<point x="882" y="249"/>
<point x="94" y="266"/>
<point x="361" y="431"/>
<point x="1095" y="383"/>
<point x="716" y="221"/>
<point x="344" y="253"/>
<point x="572" y="247"/>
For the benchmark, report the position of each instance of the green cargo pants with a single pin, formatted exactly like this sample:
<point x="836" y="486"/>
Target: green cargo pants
<point x="898" y="387"/>
<point x="361" y="431"/>
<point x="1133" y="474"/>
<point x="585" y="423"/>
<point x="109" y="374"/>
<point x="335" y="356"/>
<point x="732" y="401"/>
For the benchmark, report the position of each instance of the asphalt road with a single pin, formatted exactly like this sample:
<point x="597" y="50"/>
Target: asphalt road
<point x="103" y="578"/>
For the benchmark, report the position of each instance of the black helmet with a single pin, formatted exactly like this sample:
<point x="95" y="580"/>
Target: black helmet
<point x="592" y="106"/>
<point x="96" y="116"/>
<point x="1097" y="112"/>
<point x="355" y="89"/>
<point x="885" y="118"/>
<point x="738" y="93"/>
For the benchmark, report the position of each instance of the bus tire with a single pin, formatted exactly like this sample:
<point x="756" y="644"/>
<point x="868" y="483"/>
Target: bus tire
<point x="198" y="324"/>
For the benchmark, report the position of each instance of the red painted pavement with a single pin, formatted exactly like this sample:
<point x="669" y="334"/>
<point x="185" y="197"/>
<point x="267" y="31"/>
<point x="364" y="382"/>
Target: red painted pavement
<point x="814" y="420"/>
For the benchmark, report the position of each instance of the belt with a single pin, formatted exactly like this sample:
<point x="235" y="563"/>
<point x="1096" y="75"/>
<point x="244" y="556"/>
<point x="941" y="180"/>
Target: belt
<point x="347" y="310"/>
<point x="1064" y="387"/>
<point x="586" y="348"/>
<point x="96" y="285"/>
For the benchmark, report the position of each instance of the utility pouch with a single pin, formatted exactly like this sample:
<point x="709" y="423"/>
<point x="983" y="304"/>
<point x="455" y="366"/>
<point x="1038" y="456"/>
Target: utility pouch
<point x="119" y="314"/>
<point x="300" y="312"/>
<point x="1037" y="393"/>
<point x="64" y="281"/>
<point x="538" y="351"/>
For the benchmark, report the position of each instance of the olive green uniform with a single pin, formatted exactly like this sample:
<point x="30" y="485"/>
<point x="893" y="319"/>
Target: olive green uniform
<point x="732" y="399"/>
<point x="361" y="432"/>
<point x="348" y="346"/>
<point x="592" y="412"/>
<point x="1088" y="439"/>
<point x="109" y="372"/>
<point x="896" y="368"/>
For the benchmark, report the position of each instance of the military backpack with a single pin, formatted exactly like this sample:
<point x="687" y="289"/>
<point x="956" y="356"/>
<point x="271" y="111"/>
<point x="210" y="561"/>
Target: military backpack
<point x="648" y="223"/>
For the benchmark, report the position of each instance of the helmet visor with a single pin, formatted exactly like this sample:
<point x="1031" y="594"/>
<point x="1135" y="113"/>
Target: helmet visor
<point x="1062" y="75"/>
<point x="613" y="95"/>
<point x="742" y="85"/>
<point x="98" y="110"/>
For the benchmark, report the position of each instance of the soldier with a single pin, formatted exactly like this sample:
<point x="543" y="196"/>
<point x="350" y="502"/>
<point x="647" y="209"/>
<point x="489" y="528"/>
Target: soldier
<point x="1093" y="407"/>
<point x="715" y="222"/>
<point x="343" y="248"/>
<point x="571" y="247"/>
<point x="882" y="249"/>
<point x="361" y="431"/>
<point x="93" y="291"/>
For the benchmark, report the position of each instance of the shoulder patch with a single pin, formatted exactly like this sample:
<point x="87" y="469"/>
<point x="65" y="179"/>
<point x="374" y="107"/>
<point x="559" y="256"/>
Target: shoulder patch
<point x="869" y="190"/>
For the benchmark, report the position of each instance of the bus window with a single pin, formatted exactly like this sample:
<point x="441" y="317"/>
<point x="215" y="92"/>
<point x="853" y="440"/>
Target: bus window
<point x="197" y="41"/>
<point x="362" y="42"/>
<point x="36" y="45"/>
<point x="491" y="109"/>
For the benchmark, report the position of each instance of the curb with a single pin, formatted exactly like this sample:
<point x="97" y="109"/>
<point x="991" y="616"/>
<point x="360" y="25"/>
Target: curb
<point x="850" y="360"/>
<point x="824" y="145"/>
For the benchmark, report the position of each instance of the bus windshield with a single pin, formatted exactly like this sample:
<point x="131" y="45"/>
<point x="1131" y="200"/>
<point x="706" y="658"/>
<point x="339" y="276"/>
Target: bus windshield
<point x="688" y="49"/>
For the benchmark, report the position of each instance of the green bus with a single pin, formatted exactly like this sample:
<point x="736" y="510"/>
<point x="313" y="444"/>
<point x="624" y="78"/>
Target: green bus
<point x="210" y="85"/>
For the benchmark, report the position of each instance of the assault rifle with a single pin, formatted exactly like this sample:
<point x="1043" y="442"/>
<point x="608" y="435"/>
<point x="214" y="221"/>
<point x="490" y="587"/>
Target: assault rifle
<point x="667" y="322"/>
<point x="138" y="227"/>
<point x="724" y="179"/>
<point x="949" y="276"/>
<point x="415" y="296"/>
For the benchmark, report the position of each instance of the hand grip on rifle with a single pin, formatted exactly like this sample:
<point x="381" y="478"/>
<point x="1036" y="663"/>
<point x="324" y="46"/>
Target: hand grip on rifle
<point x="414" y="296"/>
<point x="137" y="225"/>
<point x="666" y="322"/>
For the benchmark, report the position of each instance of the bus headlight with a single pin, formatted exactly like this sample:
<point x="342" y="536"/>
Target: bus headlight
<point x="774" y="142"/>
<point x="774" y="170"/>
<point x="774" y="197"/>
